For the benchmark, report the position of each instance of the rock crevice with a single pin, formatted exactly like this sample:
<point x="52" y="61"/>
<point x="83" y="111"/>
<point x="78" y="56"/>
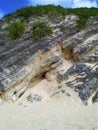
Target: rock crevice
<point x="23" y="60"/>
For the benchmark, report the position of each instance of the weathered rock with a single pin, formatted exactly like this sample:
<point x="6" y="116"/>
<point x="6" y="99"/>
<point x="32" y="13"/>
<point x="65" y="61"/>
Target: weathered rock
<point x="95" y="98"/>
<point x="86" y="81"/>
<point x="34" y="98"/>
<point x="22" y="60"/>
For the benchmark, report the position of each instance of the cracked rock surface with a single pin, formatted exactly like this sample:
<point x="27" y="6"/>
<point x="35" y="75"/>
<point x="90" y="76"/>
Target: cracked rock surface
<point x="24" y="60"/>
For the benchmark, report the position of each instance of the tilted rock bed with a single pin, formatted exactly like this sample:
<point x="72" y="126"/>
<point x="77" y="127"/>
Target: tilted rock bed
<point x="85" y="82"/>
<point x="23" y="60"/>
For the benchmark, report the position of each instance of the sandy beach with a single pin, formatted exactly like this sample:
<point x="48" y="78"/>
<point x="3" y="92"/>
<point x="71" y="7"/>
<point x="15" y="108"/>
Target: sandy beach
<point x="62" y="110"/>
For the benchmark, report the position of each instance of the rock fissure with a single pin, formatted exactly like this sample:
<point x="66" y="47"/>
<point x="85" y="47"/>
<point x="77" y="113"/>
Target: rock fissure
<point x="66" y="56"/>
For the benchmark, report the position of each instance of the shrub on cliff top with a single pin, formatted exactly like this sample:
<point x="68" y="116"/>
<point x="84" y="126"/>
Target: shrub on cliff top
<point x="53" y="11"/>
<point x="16" y="30"/>
<point x="40" y="30"/>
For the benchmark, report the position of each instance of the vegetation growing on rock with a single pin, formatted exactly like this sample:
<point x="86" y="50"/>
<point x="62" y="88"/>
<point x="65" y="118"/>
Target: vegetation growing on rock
<point x="40" y="30"/>
<point x="16" y="30"/>
<point x="21" y="61"/>
<point x="56" y="11"/>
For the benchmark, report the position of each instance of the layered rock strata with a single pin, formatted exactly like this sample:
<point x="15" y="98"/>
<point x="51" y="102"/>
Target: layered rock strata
<point x="24" y="60"/>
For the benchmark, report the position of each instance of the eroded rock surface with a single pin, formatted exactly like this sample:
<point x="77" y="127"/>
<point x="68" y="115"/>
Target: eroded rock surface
<point x="24" y="60"/>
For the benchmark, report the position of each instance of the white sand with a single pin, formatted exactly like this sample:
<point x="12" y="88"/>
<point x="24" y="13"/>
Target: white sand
<point x="56" y="115"/>
<point x="57" y="110"/>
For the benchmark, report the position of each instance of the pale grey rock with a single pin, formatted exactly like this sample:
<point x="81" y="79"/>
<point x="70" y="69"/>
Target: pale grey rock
<point x="34" y="98"/>
<point x="23" y="59"/>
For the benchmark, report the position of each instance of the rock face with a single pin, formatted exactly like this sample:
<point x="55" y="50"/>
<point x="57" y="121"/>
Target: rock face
<point x="24" y="60"/>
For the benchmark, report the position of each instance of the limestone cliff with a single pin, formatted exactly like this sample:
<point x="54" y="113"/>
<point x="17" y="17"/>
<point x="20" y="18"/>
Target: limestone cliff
<point x="23" y="60"/>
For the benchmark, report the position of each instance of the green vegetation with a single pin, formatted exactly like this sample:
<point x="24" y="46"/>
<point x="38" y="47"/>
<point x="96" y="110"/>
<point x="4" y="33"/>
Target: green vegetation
<point x="40" y="30"/>
<point x="40" y="10"/>
<point x="16" y="30"/>
<point x="84" y="14"/>
<point x="55" y="12"/>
